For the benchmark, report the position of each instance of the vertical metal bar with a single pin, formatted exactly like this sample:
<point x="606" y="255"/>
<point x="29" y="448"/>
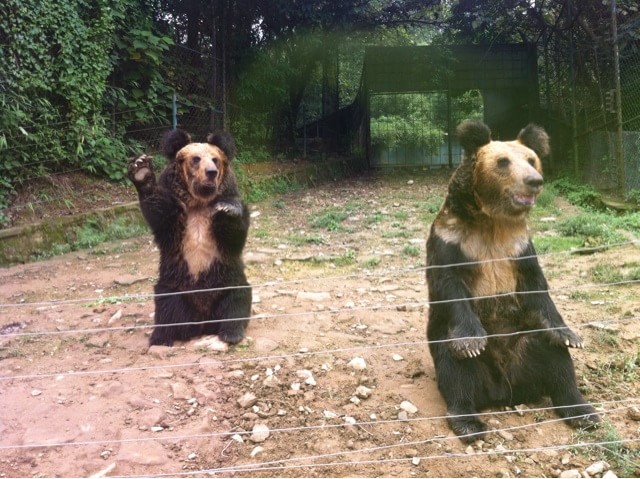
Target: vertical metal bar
<point x="574" y="119"/>
<point x="174" y="111"/>
<point x="449" y="128"/>
<point x="616" y="74"/>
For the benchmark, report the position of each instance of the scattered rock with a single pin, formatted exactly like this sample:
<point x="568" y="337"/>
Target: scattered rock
<point x="403" y="416"/>
<point x="256" y="450"/>
<point x="259" y="433"/>
<point x="35" y="392"/>
<point x="128" y="280"/>
<point x="397" y="357"/>
<point x="408" y="407"/>
<point x="313" y="296"/>
<point x="415" y="461"/>
<point x="265" y="345"/>
<point x="329" y="414"/>
<point x="307" y="376"/>
<point x="570" y="474"/>
<point x="211" y="343"/>
<point x="609" y="475"/>
<point x="192" y="456"/>
<point x="247" y="400"/>
<point x="357" y="363"/>
<point x="363" y="392"/>
<point x="506" y="435"/>
<point x="597" y="468"/>
<point x="633" y="413"/>
<point x="115" y="318"/>
<point x="181" y="391"/>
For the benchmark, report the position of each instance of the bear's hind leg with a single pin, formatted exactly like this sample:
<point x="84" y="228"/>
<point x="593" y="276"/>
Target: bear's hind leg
<point x="460" y="383"/>
<point x="173" y="309"/>
<point x="560" y="379"/>
<point x="235" y="307"/>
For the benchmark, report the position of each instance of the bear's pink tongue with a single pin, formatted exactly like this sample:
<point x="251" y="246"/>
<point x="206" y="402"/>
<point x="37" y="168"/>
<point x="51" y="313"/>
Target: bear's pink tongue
<point x="526" y="199"/>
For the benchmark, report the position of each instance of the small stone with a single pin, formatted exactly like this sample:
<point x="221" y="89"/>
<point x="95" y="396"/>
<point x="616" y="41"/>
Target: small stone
<point x="570" y="474"/>
<point x="181" y="391"/>
<point x="237" y="438"/>
<point x="566" y="459"/>
<point x="303" y="350"/>
<point x="355" y="400"/>
<point x="116" y="317"/>
<point x="633" y="413"/>
<point x="329" y="414"/>
<point x="259" y="433"/>
<point x="211" y="343"/>
<point x="256" y="450"/>
<point x="247" y="400"/>
<point x="415" y="461"/>
<point x="357" y="363"/>
<point x="597" y="468"/>
<point x="349" y="420"/>
<point x="407" y="406"/>
<point x="410" y="182"/>
<point x="157" y="428"/>
<point x="403" y="416"/>
<point x="363" y="392"/>
<point x="265" y="345"/>
<point x="313" y="296"/>
<point x="192" y="456"/>
<point x="506" y="435"/>
<point x="307" y="376"/>
<point x="609" y="475"/>
<point x="470" y="450"/>
<point x="397" y="357"/>
<point x="35" y="392"/>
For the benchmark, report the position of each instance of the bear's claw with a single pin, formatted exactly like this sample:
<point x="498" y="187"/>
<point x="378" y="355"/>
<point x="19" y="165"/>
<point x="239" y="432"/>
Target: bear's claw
<point x="140" y="168"/>
<point x="565" y="337"/>
<point x="231" y="209"/>
<point x="468" y="347"/>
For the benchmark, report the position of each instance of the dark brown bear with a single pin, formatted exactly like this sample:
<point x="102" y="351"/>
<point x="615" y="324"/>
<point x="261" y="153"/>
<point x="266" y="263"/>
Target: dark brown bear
<point x="200" y="226"/>
<point x="478" y="247"/>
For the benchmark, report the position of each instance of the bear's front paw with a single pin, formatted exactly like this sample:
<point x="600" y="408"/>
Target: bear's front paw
<point x="140" y="168"/>
<point x="232" y="209"/>
<point x="565" y="337"/>
<point x="468" y="347"/>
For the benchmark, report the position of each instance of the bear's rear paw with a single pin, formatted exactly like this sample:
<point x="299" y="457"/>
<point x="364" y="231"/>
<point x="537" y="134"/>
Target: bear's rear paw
<point x="468" y="429"/>
<point x="232" y="209"/>
<point x="140" y="168"/>
<point x="584" y="417"/>
<point x="158" y="339"/>
<point x="565" y="337"/>
<point x="231" y="335"/>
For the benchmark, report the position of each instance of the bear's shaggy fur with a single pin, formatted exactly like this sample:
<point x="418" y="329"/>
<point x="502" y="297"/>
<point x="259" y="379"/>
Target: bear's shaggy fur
<point x="200" y="226"/>
<point x="479" y="256"/>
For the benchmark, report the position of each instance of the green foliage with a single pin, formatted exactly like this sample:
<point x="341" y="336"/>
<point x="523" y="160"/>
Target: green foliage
<point x="330" y="218"/>
<point x="577" y="194"/>
<point x="594" y="229"/>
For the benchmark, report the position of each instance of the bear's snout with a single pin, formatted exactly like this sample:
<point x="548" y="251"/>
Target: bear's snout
<point x="534" y="181"/>
<point x="211" y="173"/>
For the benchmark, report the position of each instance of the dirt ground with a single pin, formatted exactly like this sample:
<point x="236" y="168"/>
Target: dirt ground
<point x="82" y="395"/>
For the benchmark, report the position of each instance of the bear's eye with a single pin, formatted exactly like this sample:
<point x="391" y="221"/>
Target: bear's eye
<point x="532" y="162"/>
<point x="195" y="160"/>
<point x="503" y="162"/>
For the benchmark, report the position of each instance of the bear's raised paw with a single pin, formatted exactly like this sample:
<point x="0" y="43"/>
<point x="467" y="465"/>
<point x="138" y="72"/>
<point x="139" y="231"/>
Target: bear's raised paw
<point x="140" y="168"/>
<point x="232" y="209"/>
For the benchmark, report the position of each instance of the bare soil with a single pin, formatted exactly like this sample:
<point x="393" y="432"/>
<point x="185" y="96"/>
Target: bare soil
<point x="81" y="394"/>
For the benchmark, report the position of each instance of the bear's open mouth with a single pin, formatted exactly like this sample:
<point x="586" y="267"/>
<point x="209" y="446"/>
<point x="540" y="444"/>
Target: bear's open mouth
<point x="524" y="200"/>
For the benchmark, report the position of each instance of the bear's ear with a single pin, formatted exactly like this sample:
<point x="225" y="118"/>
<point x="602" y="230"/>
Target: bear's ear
<point x="224" y="141"/>
<point x="173" y="141"/>
<point x="472" y="135"/>
<point x="534" y="137"/>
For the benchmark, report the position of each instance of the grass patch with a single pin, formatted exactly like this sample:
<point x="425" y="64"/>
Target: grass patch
<point x="331" y="218"/>
<point x="593" y="229"/>
<point x="370" y="263"/>
<point x="550" y="244"/>
<point x="621" y="458"/>
<point x="346" y="259"/>
<point x="302" y="240"/>
<point x="411" y="250"/>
